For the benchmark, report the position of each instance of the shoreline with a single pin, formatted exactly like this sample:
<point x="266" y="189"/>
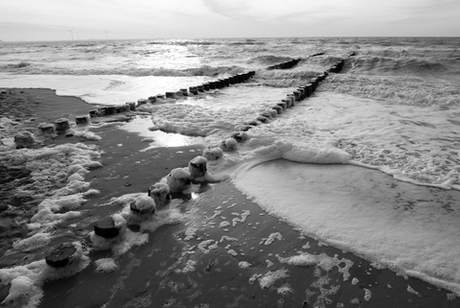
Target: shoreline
<point x="403" y="179"/>
<point x="217" y="276"/>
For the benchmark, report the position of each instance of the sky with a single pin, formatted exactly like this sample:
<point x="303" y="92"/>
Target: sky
<point x="38" y="20"/>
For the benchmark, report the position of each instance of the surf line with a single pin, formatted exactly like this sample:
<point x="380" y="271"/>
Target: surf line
<point x="400" y="176"/>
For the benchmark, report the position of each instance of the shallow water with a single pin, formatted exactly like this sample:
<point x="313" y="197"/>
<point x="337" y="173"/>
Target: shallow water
<point x="395" y="225"/>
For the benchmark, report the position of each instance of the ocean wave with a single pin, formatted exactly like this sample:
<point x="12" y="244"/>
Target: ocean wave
<point x="247" y="42"/>
<point x="184" y="42"/>
<point x="15" y="66"/>
<point x="323" y="60"/>
<point x="269" y="59"/>
<point x="207" y="42"/>
<point x="205" y="70"/>
<point x="397" y="90"/>
<point x="85" y="44"/>
<point x="388" y="65"/>
<point x="283" y="78"/>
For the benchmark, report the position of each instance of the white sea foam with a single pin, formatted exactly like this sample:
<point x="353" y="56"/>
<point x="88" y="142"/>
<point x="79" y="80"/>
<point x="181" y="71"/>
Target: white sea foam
<point x="272" y="237"/>
<point x="102" y="89"/>
<point x="285" y="289"/>
<point x="106" y="265"/>
<point x="336" y="205"/>
<point x="270" y="277"/>
<point x="322" y="260"/>
<point x="391" y="138"/>
<point x="244" y="264"/>
<point x="189" y="266"/>
<point x="404" y="90"/>
<point x="50" y="167"/>
<point x="35" y="241"/>
<point x="27" y="280"/>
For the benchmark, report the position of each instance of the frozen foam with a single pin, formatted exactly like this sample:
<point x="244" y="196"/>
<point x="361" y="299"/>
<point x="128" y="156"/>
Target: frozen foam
<point x="272" y="237"/>
<point x="322" y="260"/>
<point x="130" y="239"/>
<point x="27" y="280"/>
<point x="50" y="167"/>
<point x="269" y="278"/>
<point x="207" y="245"/>
<point x="189" y="266"/>
<point x="35" y="241"/>
<point x="335" y="204"/>
<point x="86" y="134"/>
<point x="326" y="130"/>
<point x="106" y="265"/>
<point x="305" y="259"/>
<point x="285" y="289"/>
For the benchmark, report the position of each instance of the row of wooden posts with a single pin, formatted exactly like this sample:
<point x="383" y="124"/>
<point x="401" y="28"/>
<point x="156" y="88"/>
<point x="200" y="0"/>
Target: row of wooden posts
<point x="301" y="93"/>
<point x="284" y="65"/>
<point x="107" y="229"/>
<point x="194" y="90"/>
<point x="63" y="125"/>
<point x="61" y="255"/>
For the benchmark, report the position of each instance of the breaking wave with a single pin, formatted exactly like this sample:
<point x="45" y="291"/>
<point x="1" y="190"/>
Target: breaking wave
<point x="268" y="59"/>
<point x="205" y="70"/>
<point x="15" y="66"/>
<point x="398" y="66"/>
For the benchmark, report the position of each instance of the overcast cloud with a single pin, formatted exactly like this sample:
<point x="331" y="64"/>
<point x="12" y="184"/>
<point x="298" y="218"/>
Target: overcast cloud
<point x="123" y="19"/>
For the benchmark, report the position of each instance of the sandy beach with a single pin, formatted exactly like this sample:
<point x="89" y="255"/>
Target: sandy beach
<point x="225" y="252"/>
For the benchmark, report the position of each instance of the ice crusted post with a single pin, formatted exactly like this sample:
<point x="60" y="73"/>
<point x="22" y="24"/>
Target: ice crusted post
<point x="24" y="139"/>
<point x="178" y="180"/>
<point x="82" y="120"/>
<point x="240" y="136"/>
<point x="110" y="226"/>
<point x="213" y="153"/>
<point x="229" y="145"/>
<point x="46" y="129"/>
<point x="62" y="125"/>
<point x="62" y="255"/>
<point x="143" y="205"/>
<point x="197" y="167"/>
<point x="160" y="193"/>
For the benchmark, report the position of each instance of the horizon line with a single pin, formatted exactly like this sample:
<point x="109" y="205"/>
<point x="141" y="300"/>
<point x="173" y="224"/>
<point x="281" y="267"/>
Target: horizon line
<point x="233" y="37"/>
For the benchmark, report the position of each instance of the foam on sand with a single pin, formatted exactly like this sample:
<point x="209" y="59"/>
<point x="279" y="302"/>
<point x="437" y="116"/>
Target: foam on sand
<point x="272" y="237"/>
<point x="27" y="280"/>
<point x="270" y="277"/>
<point x="57" y="175"/>
<point x="322" y="260"/>
<point x="148" y="222"/>
<point x="394" y="224"/>
<point x="106" y="265"/>
<point x="325" y="129"/>
<point x="35" y="241"/>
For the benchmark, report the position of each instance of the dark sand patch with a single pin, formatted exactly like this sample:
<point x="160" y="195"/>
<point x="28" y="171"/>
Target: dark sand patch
<point x="41" y="105"/>
<point x="155" y="275"/>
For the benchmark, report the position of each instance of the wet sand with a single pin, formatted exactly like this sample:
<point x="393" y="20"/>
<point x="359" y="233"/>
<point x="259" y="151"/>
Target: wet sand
<point x="197" y="263"/>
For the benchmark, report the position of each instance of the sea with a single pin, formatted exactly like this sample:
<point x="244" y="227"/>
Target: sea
<point x="393" y="110"/>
